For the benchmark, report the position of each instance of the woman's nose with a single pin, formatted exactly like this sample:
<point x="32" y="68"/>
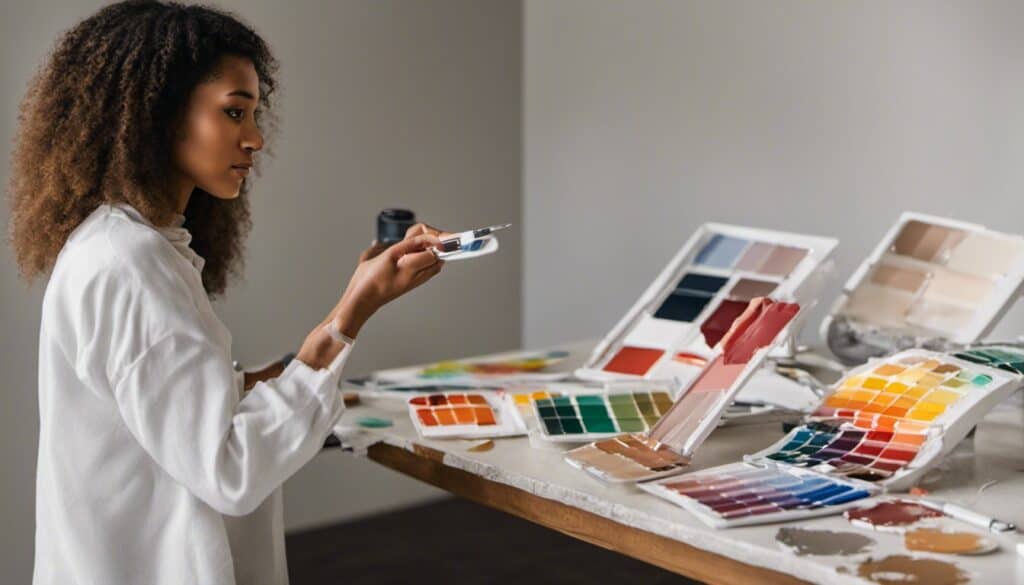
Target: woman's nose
<point x="252" y="140"/>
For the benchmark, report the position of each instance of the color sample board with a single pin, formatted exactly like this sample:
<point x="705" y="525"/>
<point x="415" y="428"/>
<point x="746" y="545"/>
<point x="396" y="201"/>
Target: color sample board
<point x="673" y="328"/>
<point x="586" y="417"/>
<point x="463" y="415"/>
<point x="670" y="444"/>
<point x="929" y="278"/>
<point x="882" y="426"/>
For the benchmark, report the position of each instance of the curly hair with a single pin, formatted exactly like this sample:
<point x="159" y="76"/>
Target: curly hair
<point x="97" y="122"/>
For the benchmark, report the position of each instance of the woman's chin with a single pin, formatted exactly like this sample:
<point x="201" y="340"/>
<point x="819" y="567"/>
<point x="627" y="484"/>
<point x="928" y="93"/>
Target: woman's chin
<point x="227" y="193"/>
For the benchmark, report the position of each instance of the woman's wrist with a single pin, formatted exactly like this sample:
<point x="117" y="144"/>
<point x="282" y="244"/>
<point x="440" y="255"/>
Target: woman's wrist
<point x="321" y="347"/>
<point x="349" y="316"/>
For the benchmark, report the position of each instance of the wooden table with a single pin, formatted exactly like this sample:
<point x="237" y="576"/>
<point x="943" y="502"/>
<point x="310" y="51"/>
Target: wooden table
<point x="533" y="482"/>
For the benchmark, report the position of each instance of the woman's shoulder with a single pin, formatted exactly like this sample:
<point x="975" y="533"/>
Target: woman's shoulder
<point x="110" y="244"/>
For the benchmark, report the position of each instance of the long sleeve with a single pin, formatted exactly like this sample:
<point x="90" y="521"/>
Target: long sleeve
<point x="178" y="399"/>
<point x="168" y="367"/>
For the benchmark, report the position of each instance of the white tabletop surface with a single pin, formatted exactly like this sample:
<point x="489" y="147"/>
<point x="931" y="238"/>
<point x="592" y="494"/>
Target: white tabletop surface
<point x="996" y="454"/>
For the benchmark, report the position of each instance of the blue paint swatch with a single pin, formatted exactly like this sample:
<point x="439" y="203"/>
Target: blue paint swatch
<point x="721" y="251"/>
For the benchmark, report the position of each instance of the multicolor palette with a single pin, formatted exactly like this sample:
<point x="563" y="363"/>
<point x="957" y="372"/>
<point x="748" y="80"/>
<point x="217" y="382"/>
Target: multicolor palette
<point x="463" y="415"/>
<point x="529" y="364"/>
<point x="672" y="330"/>
<point x="929" y="278"/>
<point x="881" y="427"/>
<point x="586" y="417"/>
<point x="500" y="370"/>
<point x="670" y="444"/>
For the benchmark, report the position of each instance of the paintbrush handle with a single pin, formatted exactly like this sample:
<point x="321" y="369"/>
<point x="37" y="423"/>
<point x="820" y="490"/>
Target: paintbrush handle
<point x="970" y="516"/>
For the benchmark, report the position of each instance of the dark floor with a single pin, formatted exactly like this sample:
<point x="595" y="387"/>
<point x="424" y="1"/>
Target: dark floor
<point x="456" y="541"/>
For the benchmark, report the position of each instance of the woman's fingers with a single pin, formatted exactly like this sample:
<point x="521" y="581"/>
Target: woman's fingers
<point x="412" y="245"/>
<point x="423" y="228"/>
<point x="427" y="273"/>
<point x="417" y="261"/>
<point x="420" y="229"/>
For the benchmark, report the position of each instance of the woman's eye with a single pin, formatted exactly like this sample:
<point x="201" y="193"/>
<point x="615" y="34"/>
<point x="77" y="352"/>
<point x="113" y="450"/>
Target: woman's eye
<point x="235" y="113"/>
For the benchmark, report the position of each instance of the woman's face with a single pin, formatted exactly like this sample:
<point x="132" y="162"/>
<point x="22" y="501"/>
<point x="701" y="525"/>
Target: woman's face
<point x="218" y="135"/>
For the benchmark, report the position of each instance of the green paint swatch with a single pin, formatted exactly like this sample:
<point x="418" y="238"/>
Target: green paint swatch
<point x="623" y="412"/>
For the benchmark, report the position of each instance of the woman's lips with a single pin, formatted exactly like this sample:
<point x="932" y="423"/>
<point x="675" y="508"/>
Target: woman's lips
<point x="241" y="171"/>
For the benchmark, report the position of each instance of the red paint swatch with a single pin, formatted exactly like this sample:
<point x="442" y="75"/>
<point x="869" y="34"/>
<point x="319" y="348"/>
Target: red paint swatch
<point x="717" y="325"/>
<point x="633" y="360"/>
<point x="757" y="327"/>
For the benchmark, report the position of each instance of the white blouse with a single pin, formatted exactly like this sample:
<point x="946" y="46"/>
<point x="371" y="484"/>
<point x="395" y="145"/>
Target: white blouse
<point x="153" y="466"/>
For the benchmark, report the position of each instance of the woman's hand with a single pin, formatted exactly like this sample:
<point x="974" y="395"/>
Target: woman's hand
<point x="383" y="274"/>
<point x="417" y="230"/>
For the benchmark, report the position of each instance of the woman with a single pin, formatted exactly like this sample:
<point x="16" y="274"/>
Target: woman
<point x="156" y="463"/>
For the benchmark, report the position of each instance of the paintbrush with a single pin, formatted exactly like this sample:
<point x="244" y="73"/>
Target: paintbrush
<point x="968" y="516"/>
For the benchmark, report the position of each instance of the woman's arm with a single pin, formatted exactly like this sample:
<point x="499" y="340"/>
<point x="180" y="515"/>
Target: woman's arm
<point x="178" y="397"/>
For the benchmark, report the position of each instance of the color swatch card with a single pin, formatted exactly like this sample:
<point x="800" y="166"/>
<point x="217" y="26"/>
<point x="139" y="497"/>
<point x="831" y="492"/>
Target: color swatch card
<point x="463" y="415"/>
<point x="929" y="278"/>
<point x="587" y="417"/>
<point x="740" y="494"/>
<point x="673" y="328"/>
<point x="535" y="366"/>
<point x="882" y="426"/>
<point x="670" y="444"/>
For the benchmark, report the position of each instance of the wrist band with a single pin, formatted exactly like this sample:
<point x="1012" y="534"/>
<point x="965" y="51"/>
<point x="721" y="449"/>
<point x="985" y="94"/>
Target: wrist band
<point x="332" y="329"/>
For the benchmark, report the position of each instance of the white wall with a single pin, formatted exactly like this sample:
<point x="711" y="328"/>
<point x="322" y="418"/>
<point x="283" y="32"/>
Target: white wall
<point x="644" y="119"/>
<point x="385" y="103"/>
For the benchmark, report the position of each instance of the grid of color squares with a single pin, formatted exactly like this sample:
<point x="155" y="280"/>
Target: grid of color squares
<point x="462" y="415"/>
<point x="904" y="394"/>
<point x="869" y="455"/>
<point x="935" y="277"/>
<point x="627" y="458"/>
<point x="586" y="417"/>
<point x="673" y="328"/>
<point x="739" y="494"/>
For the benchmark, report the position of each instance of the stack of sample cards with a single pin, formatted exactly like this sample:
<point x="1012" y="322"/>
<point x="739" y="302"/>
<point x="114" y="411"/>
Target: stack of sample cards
<point x="673" y="328"/>
<point x="881" y="428"/>
<point x="670" y="444"/>
<point x="929" y="279"/>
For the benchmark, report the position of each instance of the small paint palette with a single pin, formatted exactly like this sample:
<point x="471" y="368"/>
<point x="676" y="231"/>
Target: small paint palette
<point x="698" y="410"/>
<point x="588" y="417"/>
<point x="741" y="494"/>
<point x="479" y="247"/>
<point x="881" y="427"/>
<point x="672" y="329"/>
<point x="463" y="415"/>
<point x="929" y="278"/>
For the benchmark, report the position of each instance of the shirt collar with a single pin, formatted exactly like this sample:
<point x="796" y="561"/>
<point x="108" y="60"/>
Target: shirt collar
<point x="176" y="234"/>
